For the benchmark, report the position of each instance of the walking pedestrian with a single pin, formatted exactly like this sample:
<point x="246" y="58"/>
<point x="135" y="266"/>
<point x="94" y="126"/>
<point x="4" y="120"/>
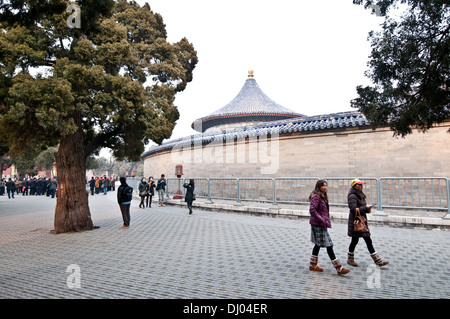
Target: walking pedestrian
<point x="2" y="186"/>
<point x="10" y="188"/>
<point x="48" y="186"/>
<point x="189" y="197"/>
<point x="92" y="185"/>
<point x="124" y="197"/>
<point x="161" y="188"/>
<point x="33" y="184"/>
<point x="143" y="191"/>
<point x="320" y="222"/>
<point x="53" y="186"/>
<point x="38" y="186"/>
<point x="97" y="185"/>
<point x="24" y="186"/>
<point x="151" y="191"/>
<point x="105" y="184"/>
<point x="357" y="199"/>
<point x="18" y="184"/>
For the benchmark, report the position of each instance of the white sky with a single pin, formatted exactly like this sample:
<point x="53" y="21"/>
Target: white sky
<point x="308" y="56"/>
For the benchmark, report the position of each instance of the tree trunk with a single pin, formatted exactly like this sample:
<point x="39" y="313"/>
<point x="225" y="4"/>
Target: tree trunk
<point x="72" y="212"/>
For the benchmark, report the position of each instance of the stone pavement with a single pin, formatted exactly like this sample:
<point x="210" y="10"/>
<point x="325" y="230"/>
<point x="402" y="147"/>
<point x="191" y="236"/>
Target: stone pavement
<point x="168" y="254"/>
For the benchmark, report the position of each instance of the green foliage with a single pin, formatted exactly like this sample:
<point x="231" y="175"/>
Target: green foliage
<point x="118" y="168"/>
<point x="4" y="148"/>
<point x="45" y="160"/>
<point x="92" y="163"/>
<point x="114" y="79"/>
<point x="409" y="66"/>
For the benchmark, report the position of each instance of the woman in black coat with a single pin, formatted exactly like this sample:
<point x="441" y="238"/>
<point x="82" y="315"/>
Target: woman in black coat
<point x="151" y="191"/>
<point x="143" y="191"/>
<point x="189" y="198"/>
<point x="357" y="199"/>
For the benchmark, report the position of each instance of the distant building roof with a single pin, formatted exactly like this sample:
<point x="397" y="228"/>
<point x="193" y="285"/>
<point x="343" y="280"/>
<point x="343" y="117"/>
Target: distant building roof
<point x="250" y="105"/>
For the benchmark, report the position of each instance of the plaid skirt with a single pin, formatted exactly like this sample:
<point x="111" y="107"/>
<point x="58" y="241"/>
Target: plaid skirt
<point x="320" y="236"/>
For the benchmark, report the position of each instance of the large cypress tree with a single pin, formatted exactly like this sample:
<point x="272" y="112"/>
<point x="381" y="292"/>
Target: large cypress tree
<point x="102" y="77"/>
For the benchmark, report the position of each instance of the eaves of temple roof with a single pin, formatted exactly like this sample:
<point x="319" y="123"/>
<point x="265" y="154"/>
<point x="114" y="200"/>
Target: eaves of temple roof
<point x="324" y="122"/>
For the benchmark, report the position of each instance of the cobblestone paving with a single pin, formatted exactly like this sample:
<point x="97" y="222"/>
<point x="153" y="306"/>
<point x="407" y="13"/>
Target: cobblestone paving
<point x="167" y="253"/>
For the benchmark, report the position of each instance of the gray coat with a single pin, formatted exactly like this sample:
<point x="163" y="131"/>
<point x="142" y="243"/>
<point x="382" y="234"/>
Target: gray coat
<point x="356" y="199"/>
<point x="53" y="184"/>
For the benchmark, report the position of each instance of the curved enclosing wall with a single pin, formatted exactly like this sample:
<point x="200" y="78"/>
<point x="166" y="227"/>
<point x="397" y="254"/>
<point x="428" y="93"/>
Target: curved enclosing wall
<point x="336" y="152"/>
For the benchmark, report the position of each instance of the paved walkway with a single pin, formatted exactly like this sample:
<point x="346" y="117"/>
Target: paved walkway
<point x="167" y="253"/>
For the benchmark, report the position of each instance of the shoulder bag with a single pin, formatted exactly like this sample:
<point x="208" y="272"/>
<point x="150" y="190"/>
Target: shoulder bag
<point x="359" y="224"/>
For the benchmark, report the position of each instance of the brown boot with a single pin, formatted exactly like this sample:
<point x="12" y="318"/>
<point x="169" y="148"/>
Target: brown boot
<point x="340" y="270"/>
<point x="351" y="259"/>
<point x="377" y="260"/>
<point x="313" y="264"/>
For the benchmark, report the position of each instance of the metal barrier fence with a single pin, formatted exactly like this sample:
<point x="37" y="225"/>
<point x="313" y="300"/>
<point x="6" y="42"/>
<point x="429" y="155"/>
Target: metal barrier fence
<point x="133" y="182"/>
<point x="428" y="193"/>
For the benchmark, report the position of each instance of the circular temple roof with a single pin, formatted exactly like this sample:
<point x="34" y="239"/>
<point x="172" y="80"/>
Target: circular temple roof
<point x="250" y="105"/>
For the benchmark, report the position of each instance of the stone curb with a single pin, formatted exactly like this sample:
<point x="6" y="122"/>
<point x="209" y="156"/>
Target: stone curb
<point x="389" y="220"/>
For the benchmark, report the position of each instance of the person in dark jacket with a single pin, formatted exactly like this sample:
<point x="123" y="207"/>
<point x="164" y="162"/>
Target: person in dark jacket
<point x="53" y="186"/>
<point x="320" y="221"/>
<point x="48" y="186"/>
<point x="151" y="191"/>
<point x="25" y="186"/>
<point x="189" y="197"/>
<point x="124" y="200"/>
<point x="105" y="184"/>
<point x="2" y="186"/>
<point x="92" y="185"/>
<point x="357" y="199"/>
<point x="10" y="188"/>
<point x="161" y="188"/>
<point x="32" y="185"/>
<point x="143" y="191"/>
<point x="39" y="185"/>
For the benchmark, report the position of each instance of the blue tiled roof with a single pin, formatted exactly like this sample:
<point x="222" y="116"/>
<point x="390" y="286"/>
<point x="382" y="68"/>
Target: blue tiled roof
<point x="251" y="104"/>
<point x="280" y="127"/>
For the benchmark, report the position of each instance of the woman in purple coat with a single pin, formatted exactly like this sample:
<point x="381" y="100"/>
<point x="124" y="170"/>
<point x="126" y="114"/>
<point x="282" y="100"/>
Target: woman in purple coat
<point x="320" y="222"/>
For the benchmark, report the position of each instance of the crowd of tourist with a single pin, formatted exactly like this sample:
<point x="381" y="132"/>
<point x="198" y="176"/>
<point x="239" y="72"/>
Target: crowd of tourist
<point x="102" y="184"/>
<point x="35" y="186"/>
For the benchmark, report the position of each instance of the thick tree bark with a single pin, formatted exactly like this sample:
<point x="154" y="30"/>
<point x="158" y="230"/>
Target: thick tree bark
<point x="72" y="212"/>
